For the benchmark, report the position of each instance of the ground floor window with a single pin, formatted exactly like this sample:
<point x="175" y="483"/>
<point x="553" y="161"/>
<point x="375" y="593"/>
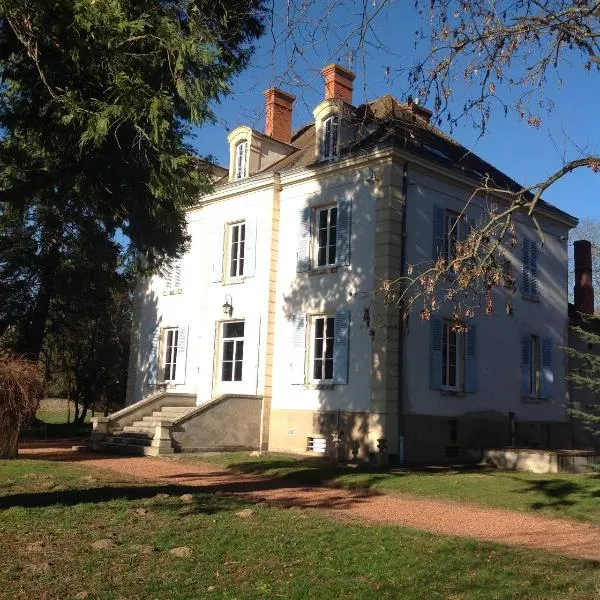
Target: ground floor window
<point x="171" y="340"/>
<point x="232" y="354"/>
<point x="534" y="366"/>
<point x="322" y="330"/>
<point x="452" y="357"/>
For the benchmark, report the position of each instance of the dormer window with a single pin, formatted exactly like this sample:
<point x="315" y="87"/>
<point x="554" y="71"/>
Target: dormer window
<point x="241" y="160"/>
<point x="330" y="137"/>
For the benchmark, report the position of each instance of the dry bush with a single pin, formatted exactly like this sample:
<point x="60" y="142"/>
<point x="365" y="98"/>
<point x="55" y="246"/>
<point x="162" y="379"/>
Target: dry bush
<point x="21" y="387"/>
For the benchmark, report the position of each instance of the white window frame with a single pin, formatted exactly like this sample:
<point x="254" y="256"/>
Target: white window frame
<point x="452" y="353"/>
<point x="330" y="137"/>
<point x="237" y="353"/>
<point x="454" y="232"/>
<point x="535" y="366"/>
<point x="236" y="250"/>
<point x="328" y="338"/>
<point x="329" y="248"/>
<point x="171" y="339"/>
<point x="240" y="164"/>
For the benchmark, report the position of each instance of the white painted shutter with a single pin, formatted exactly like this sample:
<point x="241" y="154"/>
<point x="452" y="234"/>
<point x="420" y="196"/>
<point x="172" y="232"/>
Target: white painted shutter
<point x="438" y="233"/>
<point x="341" y="332"/>
<point x="435" y="353"/>
<point x="218" y="252"/>
<point x="176" y="274"/>
<point x="152" y="369"/>
<point x="298" y="349"/>
<point x="182" y="338"/>
<point x="304" y="226"/>
<point x="547" y="383"/>
<point x="344" y="226"/>
<point x="525" y="365"/>
<point x="250" y="247"/>
<point x="470" y="360"/>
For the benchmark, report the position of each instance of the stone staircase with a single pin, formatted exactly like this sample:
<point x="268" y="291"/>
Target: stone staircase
<point x="142" y="428"/>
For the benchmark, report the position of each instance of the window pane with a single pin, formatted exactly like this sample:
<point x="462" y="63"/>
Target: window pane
<point x="319" y="323"/>
<point x="228" y="350"/>
<point x="333" y="217"/>
<point x="318" y="369"/>
<point x="319" y="348"/>
<point x="233" y="330"/>
<point x="239" y="350"/>
<point x="322" y="256"/>
<point x="241" y="267"/>
<point x="328" y="369"/>
<point x="323" y="219"/>
<point x="322" y="237"/>
<point x="226" y="371"/>
<point x="234" y="234"/>
<point x="238" y="372"/>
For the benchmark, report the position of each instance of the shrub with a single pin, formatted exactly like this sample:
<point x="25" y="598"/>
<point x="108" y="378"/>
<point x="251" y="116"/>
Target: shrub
<point x="21" y="388"/>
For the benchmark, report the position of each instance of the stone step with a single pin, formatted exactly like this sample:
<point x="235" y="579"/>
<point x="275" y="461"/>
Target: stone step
<point x="155" y="420"/>
<point x="129" y="438"/>
<point x="177" y="409"/>
<point x="116" y="448"/>
<point x="145" y="428"/>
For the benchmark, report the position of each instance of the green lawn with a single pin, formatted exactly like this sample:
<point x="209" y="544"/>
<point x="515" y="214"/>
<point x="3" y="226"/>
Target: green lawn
<point x="51" y="514"/>
<point x="562" y="495"/>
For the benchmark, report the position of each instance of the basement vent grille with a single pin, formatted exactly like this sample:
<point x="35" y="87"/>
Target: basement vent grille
<point x="316" y="444"/>
<point x="452" y="451"/>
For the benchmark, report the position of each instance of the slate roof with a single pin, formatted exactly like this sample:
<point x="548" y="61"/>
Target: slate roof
<point x="386" y="121"/>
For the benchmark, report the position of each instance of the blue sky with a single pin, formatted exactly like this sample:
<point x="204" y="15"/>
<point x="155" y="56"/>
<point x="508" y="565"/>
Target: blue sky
<point x="525" y="153"/>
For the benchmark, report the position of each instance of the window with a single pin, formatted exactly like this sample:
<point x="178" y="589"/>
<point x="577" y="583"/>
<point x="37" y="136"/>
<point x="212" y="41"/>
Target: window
<point x="232" y="356"/>
<point x="454" y="231"/>
<point x="171" y="341"/>
<point x="325" y="240"/>
<point x="322" y="328"/>
<point x="237" y="242"/>
<point x="330" y="137"/>
<point x="534" y="367"/>
<point x="530" y="274"/>
<point x="172" y="276"/>
<point x="452" y="357"/>
<point x="241" y="160"/>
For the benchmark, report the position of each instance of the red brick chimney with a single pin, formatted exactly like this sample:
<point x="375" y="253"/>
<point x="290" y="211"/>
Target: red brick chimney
<point x="278" y="114"/>
<point x="338" y="83"/>
<point x="583" y="291"/>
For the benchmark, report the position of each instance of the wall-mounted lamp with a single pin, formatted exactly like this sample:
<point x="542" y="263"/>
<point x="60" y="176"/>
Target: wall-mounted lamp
<point x="371" y="177"/>
<point x="228" y="306"/>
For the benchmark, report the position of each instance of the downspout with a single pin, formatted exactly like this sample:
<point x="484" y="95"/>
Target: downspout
<point x="401" y="378"/>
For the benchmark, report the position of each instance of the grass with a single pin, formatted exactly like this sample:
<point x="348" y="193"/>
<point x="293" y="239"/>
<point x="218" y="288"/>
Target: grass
<point x="51" y="513"/>
<point x="560" y="495"/>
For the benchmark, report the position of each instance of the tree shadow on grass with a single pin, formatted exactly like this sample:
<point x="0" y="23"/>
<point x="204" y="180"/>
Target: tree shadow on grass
<point x="557" y="493"/>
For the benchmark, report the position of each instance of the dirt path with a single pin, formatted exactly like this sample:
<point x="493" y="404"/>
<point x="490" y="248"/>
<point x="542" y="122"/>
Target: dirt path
<point x="559" y="536"/>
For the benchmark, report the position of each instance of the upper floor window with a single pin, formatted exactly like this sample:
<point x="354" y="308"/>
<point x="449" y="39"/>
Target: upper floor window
<point x="241" y="160"/>
<point x="237" y="245"/>
<point x="330" y="137"/>
<point x="325" y="239"/>
<point x="172" y="276"/>
<point x="454" y="232"/>
<point x="530" y="269"/>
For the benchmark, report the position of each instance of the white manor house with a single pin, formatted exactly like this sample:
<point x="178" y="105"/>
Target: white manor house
<point x="269" y="334"/>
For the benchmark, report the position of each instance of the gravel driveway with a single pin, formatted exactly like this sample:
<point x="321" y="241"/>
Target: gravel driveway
<point x="559" y="536"/>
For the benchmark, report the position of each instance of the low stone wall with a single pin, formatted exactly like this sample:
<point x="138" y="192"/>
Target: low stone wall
<point x="542" y="461"/>
<point x="228" y="423"/>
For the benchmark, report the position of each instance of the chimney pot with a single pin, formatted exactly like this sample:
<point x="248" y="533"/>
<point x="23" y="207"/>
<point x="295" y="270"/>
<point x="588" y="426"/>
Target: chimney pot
<point x="278" y="114"/>
<point x="583" y="292"/>
<point x="338" y="83"/>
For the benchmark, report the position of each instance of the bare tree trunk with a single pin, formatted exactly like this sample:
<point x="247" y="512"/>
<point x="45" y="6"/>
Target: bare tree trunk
<point x="9" y="443"/>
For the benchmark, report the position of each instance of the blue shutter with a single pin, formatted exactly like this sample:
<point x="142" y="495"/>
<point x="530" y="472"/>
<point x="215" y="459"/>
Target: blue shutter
<point x="526" y="257"/>
<point x="152" y="371"/>
<point x="547" y="382"/>
<point x="250" y="247"/>
<point x="435" y="353"/>
<point x="533" y="273"/>
<point x="303" y="255"/>
<point x="298" y="349"/>
<point x="470" y="361"/>
<point x="344" y="220"/>
<point x="525" y="365"/>
<point x="340" y="346"/>
<point x="182" y="337"/>
<point x="218" y="251"/>
<point x="438" y="232"/>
